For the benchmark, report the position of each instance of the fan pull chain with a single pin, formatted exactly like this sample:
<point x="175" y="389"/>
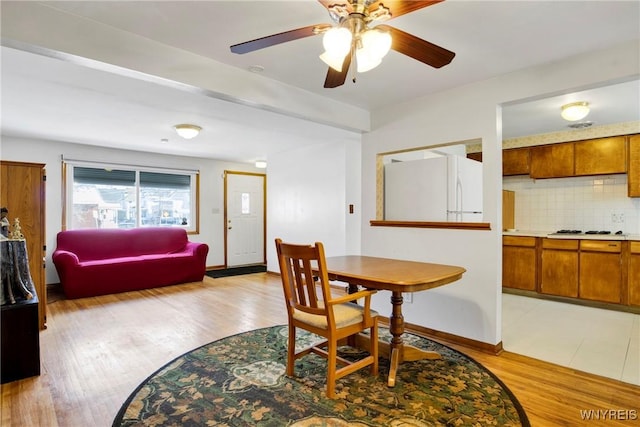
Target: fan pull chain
<point x="354" y="66"/>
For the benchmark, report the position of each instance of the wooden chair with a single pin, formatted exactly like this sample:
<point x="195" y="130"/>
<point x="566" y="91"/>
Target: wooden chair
<point x="332" y="318"/>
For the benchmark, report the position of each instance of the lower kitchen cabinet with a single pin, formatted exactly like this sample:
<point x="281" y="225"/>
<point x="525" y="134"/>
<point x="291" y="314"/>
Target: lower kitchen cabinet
<point x="634" y="273"/>
<point x="601" y="270"/>
<point x="519" y="262"/>
<point x="559" y="269"/>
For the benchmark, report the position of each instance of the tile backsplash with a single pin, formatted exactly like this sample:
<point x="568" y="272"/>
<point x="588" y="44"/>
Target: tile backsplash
<point x="577" y="203"/>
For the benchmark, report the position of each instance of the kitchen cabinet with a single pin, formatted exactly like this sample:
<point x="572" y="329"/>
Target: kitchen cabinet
<point x="601" y="270"/>
<point x="553" y="160"/>
<point x="633" y="278"/>
<point x="515" y="161"/>
<point x="601" y="156"/>
<point x="633" y="168"/>
<point x="519" y="262"/>
<point x="559" y="267"/>
<point x="23" y="194"/>
<point x="475" y="156"/>
<point x="508" y="210"/>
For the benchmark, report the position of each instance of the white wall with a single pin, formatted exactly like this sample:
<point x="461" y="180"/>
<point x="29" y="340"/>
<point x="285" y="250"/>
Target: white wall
<point x="308" y="194"/>
<point x="470" y="307"/>
<point x="50" y="153"/>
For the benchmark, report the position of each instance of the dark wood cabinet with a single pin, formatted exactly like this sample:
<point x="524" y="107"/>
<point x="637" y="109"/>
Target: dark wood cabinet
<point x="519" y="262"/>
<point x="20" y="341"/>
<point x="516" y="161"/>
<point x="633" y="167"/>
<point x="601" y="156"/>
<point x="552" y="161"/>
<point x="23" y="193"/>
<point x="559" y="267"/>
<point x="601" y="270"/>
<point x="475" y="156"/>
<point x="633" y="273"/>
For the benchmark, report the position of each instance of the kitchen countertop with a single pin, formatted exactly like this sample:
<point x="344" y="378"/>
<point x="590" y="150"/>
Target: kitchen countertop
<point x="549" y="234"/>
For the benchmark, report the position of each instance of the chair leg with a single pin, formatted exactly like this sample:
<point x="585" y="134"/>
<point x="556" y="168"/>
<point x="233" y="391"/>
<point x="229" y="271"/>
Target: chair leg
<point x="373" y="350"/>
<point x="291" y="351"/>
<point x="332" y="348"/>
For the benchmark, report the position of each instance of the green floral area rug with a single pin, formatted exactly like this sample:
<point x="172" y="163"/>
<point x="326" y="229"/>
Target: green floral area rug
<point x="241" y="381"/>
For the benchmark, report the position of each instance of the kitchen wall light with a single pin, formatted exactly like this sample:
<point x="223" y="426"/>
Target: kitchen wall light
<point x="575" y="111"/>
<point x="187" y="131"/>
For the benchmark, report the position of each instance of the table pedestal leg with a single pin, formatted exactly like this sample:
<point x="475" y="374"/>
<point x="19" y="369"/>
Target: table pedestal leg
<point x="396" y="327"/>
<point x="396" y="350"/>
<point x="399" y="351"/>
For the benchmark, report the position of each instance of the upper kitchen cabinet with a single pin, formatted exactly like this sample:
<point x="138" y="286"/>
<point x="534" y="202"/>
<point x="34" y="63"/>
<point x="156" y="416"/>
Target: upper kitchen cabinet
<point x="601" y="156"/>
<point x="552" y="161"/>
<point x="475" y="156"/>
<point x="515" y="161"/>
<point x="633" y="171"/>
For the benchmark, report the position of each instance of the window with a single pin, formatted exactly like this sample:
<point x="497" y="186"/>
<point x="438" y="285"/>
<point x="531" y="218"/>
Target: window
<point x="116" y="196"/>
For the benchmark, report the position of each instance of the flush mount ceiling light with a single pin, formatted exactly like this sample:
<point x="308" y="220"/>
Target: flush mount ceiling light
<point x="261" y="164"/>
<point x="187" y="131"/>
<point x="575" y="111"/>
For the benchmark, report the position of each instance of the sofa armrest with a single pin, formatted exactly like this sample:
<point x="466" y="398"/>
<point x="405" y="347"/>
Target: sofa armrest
<point x="64" y="258"/>
<point x="197" y="249"/>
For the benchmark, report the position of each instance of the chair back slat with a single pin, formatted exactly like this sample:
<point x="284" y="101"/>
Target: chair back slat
<point x="300" y="287"/>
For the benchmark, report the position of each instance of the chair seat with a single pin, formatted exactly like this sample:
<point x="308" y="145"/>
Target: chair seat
<point x="345" y="315"/>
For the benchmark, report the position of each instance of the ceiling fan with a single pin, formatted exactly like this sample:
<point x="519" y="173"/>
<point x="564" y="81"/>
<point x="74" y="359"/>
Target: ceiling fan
<point x="359" y="35"/>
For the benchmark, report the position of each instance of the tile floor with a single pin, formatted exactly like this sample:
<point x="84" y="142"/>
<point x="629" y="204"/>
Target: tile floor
<point x="602" y="342"/>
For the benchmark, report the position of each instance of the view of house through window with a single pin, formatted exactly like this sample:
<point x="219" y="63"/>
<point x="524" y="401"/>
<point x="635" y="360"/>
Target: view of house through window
<point x="105" y="197"/>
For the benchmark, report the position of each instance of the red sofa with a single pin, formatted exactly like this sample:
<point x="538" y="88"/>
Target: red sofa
<point x="98" y="262"/>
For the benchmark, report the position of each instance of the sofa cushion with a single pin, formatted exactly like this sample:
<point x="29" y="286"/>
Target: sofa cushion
<point x="114" y="243"/>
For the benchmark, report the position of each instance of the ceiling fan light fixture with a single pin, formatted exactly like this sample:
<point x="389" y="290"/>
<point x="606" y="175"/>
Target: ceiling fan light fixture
<point x="377" y="41"/>
<point x="374" y="45"/>
<point x="187" y="131"/>
<point x="333" y="61"/>
<point x="575" y="111"/>
<point x="337" y="41"/>
<point x="366" y="62"/>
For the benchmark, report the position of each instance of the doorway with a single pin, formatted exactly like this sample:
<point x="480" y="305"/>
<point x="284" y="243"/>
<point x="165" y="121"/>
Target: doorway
<point x="244" y="218"/>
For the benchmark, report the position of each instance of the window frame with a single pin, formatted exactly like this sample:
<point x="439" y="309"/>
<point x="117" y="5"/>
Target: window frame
<point x="67" y="188"/>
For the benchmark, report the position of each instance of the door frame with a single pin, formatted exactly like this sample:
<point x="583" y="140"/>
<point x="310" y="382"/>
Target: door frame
<point x="264" y="212"/>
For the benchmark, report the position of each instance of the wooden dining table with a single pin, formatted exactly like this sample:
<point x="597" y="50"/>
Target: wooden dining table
<point x="397" y="276"/>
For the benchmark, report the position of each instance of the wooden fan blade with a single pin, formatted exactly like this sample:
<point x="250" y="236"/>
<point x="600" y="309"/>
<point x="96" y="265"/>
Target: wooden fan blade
<point x="275" y="39"/>
<point x="336" y="78"/>
<point x="418" y="49"/>
<point x="401" y="7"/>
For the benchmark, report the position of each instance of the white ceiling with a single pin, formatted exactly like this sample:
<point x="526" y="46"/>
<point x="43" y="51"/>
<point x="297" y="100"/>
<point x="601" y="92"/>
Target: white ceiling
<point x="50" y="96"/>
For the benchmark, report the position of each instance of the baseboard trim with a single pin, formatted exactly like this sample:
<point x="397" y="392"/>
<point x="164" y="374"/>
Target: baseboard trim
<point x="447" y="338"/>
<point x="575" y="301"/>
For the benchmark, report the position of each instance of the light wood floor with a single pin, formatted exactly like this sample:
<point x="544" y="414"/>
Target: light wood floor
<point x="97" y="350"/>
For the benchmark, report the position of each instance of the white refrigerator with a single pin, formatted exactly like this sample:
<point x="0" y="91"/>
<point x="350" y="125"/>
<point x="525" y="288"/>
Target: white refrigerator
<point x="447" y="188"/>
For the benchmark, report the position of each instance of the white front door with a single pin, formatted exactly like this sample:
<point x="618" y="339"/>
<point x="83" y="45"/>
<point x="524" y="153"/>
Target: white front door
<point x="244" y="218"/>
